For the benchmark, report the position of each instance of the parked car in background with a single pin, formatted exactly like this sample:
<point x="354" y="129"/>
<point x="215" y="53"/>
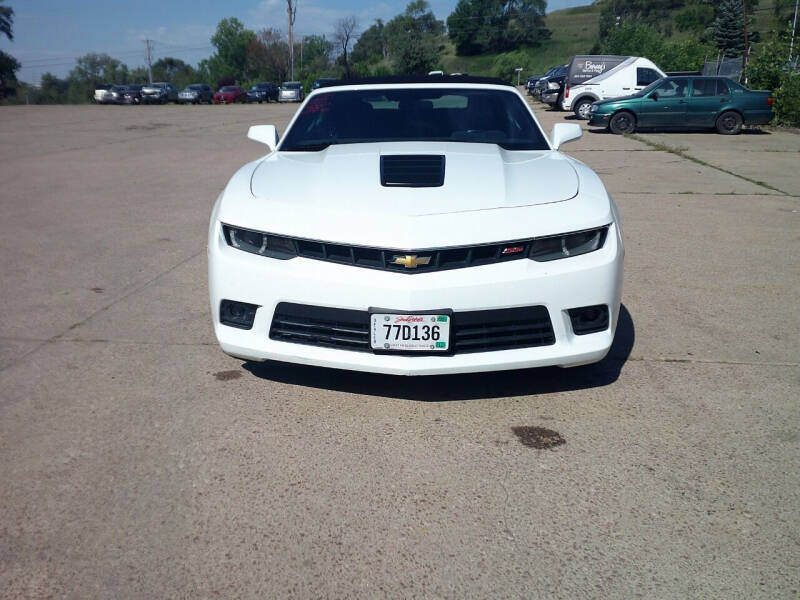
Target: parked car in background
<point x="100" y="92"/>
<point x="686" y="102"/>
<point x="291" y="91"/>
<point x="322" y="81"/>
<point x="530" y="82"/>
<point x="113" y="95"/>
<point x="263" y="92"/>
<point x="553" y="90"/>
<point x="133" y="94"/>
<point x="541" y="86"/>
<point x="159" y="93"/>
<point x="230" y="94"/>
<point x="629" y="76"/>
<point x="195" y="93"/>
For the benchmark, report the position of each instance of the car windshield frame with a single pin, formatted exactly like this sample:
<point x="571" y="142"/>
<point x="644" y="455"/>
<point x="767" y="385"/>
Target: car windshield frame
<point x="425" y="114"/>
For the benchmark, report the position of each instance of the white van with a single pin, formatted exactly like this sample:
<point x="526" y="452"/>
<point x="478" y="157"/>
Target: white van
<point x="628" y="77"/>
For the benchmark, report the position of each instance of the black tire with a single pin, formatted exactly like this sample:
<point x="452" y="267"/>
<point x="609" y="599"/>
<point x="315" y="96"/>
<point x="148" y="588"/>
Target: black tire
<point x="581" y="109"/>
<point x="622" y="123"/>
<point x="729" y="123"/>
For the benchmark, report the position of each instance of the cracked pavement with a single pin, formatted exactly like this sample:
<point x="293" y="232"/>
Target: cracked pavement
<point x="138" y="461"/>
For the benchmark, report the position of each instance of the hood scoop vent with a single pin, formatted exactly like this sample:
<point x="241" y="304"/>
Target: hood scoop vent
<point x="412" y="170"/>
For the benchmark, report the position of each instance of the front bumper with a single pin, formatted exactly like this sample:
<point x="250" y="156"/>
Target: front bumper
<point x="586" y="280"/>
<point x="597" y="119"/>
<point x="550" y="97"/>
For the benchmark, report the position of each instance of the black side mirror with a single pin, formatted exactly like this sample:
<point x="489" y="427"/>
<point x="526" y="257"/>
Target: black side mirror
<point x="654" y="96"/>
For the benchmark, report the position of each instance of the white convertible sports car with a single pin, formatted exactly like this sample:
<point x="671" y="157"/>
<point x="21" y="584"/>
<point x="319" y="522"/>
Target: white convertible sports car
<point x="416" y="227"/>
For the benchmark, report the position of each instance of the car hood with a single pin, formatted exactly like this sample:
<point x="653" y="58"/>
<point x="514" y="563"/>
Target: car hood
<point x="619" y="99"/>
<point x="477" y="177"/>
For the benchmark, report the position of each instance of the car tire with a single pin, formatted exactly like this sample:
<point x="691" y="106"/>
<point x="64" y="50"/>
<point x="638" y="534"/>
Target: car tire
<point x="582" y="108"/>
<point x="729" y="123"/>
<point x="622" y="123"/>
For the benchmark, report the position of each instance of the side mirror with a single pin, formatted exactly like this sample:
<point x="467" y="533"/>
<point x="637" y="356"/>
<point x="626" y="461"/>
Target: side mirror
<point x="654" y="96"/>
<point x="266" y="134"/>
<point x="563" y="133"/>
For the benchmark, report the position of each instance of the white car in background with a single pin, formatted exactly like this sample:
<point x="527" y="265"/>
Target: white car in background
<point x="416" y="226"/>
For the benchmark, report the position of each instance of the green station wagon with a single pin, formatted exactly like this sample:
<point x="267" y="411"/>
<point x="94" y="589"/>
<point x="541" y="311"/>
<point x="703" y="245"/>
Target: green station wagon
<point x="685" y="102"/>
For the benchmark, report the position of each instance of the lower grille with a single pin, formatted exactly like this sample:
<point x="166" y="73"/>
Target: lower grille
<point x="471" y="331"/>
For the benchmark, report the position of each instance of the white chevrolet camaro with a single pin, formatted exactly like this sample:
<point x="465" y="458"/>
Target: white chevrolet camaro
<point x="416" y="227"/>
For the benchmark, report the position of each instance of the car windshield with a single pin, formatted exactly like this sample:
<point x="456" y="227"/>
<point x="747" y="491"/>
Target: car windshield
<point x="229" y="89"/>
<point x="426" y="114"/>
<point x="649" y="88"/>
<point x="196" y="88"/>
<point x="290" y="86"/>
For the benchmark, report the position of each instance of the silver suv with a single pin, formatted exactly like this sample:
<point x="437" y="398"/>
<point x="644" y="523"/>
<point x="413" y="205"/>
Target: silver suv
<point x="159" y="93"/>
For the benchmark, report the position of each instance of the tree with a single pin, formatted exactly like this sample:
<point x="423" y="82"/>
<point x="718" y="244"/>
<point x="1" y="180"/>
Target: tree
<point x="52" y="90"/>
<point x="414" y="39"/>
<point x="8" y="74"/>
<point x="174" y="70"/>
<point x="6" y="20"/>
<point x="477" y="26"/>
<point x="343" y="36"/>
<point x="371" y="48"/>
<point x="631" y="39"/>
<point x="267" y="56"/>
<point x="8" y="64"/>
<point x="728" y="28"/>
<point x="231" y="41"/>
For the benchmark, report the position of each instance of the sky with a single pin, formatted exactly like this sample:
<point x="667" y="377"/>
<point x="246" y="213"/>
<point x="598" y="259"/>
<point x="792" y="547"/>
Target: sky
<point x="50" y="34"/>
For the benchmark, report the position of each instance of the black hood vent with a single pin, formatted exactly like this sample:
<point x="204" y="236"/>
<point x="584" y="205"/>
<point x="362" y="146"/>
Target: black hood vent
<point x="412" y="170"/>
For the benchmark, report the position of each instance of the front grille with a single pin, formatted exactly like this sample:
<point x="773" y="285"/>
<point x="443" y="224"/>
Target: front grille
<point x="412" y="170"/>
<point x="471" y="331"/>
<point x="386" y="259"/>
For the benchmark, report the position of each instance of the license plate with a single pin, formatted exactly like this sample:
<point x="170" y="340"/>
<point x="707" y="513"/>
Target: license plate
<point x="410" y="333"/>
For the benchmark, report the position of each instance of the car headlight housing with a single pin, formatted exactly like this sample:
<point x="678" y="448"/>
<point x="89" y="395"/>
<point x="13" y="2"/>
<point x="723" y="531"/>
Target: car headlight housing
<point x="552" y="85"/>
<point x="567" y="244"/>
<point x="256" y="242"/>
<point x="593" y="108"/>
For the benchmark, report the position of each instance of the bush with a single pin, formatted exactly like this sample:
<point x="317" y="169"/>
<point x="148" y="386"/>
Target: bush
<point x="787" y="100"/>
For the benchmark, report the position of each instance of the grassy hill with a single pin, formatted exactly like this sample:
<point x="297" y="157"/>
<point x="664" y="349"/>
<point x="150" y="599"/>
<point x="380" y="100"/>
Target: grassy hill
<point x="574" y="31"/>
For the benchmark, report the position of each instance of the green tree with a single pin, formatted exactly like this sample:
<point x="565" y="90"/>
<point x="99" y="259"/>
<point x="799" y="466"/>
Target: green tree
<point x="230" y="41"/>
<point x="371" y="47"/>
<point x="414" y="39"/>
<point x="174" y="70"/>
<point x="6" y="20"/>
<point x="477" y="26"/>
<point x="8" y="74"/>
<point x="52" y="90"/>
<point x="728" y="28"/>
<point x="8" y="64"/>
<point x="632" y="39"/>
<point x="267" y="56"/>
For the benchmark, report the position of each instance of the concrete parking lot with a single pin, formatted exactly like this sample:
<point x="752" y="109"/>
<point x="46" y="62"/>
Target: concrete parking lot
<point x="138" y="461"/>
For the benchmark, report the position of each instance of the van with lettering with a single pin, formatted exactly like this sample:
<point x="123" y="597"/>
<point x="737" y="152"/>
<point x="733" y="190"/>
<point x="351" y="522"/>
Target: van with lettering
<point x="593" y="78"/>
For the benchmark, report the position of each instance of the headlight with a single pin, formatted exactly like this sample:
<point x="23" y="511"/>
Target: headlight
<point x="552" y="85"/>
<point x="256" y="242"/>
<point x="567" y="244"/>
<point x="593" y="108"/>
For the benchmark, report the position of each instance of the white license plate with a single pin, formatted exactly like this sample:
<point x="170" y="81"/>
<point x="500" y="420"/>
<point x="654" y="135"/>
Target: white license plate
<point x="414" y="333"/>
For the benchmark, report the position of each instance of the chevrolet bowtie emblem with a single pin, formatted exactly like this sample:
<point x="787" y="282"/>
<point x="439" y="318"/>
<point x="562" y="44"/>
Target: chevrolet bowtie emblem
<point x="410" y="261"/>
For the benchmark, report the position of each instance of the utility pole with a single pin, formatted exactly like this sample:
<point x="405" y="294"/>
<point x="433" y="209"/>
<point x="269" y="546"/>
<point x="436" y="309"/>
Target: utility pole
<point x="794" y="26"/>
<point x="291" y="11"/>
<point x="148" y="56"/>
